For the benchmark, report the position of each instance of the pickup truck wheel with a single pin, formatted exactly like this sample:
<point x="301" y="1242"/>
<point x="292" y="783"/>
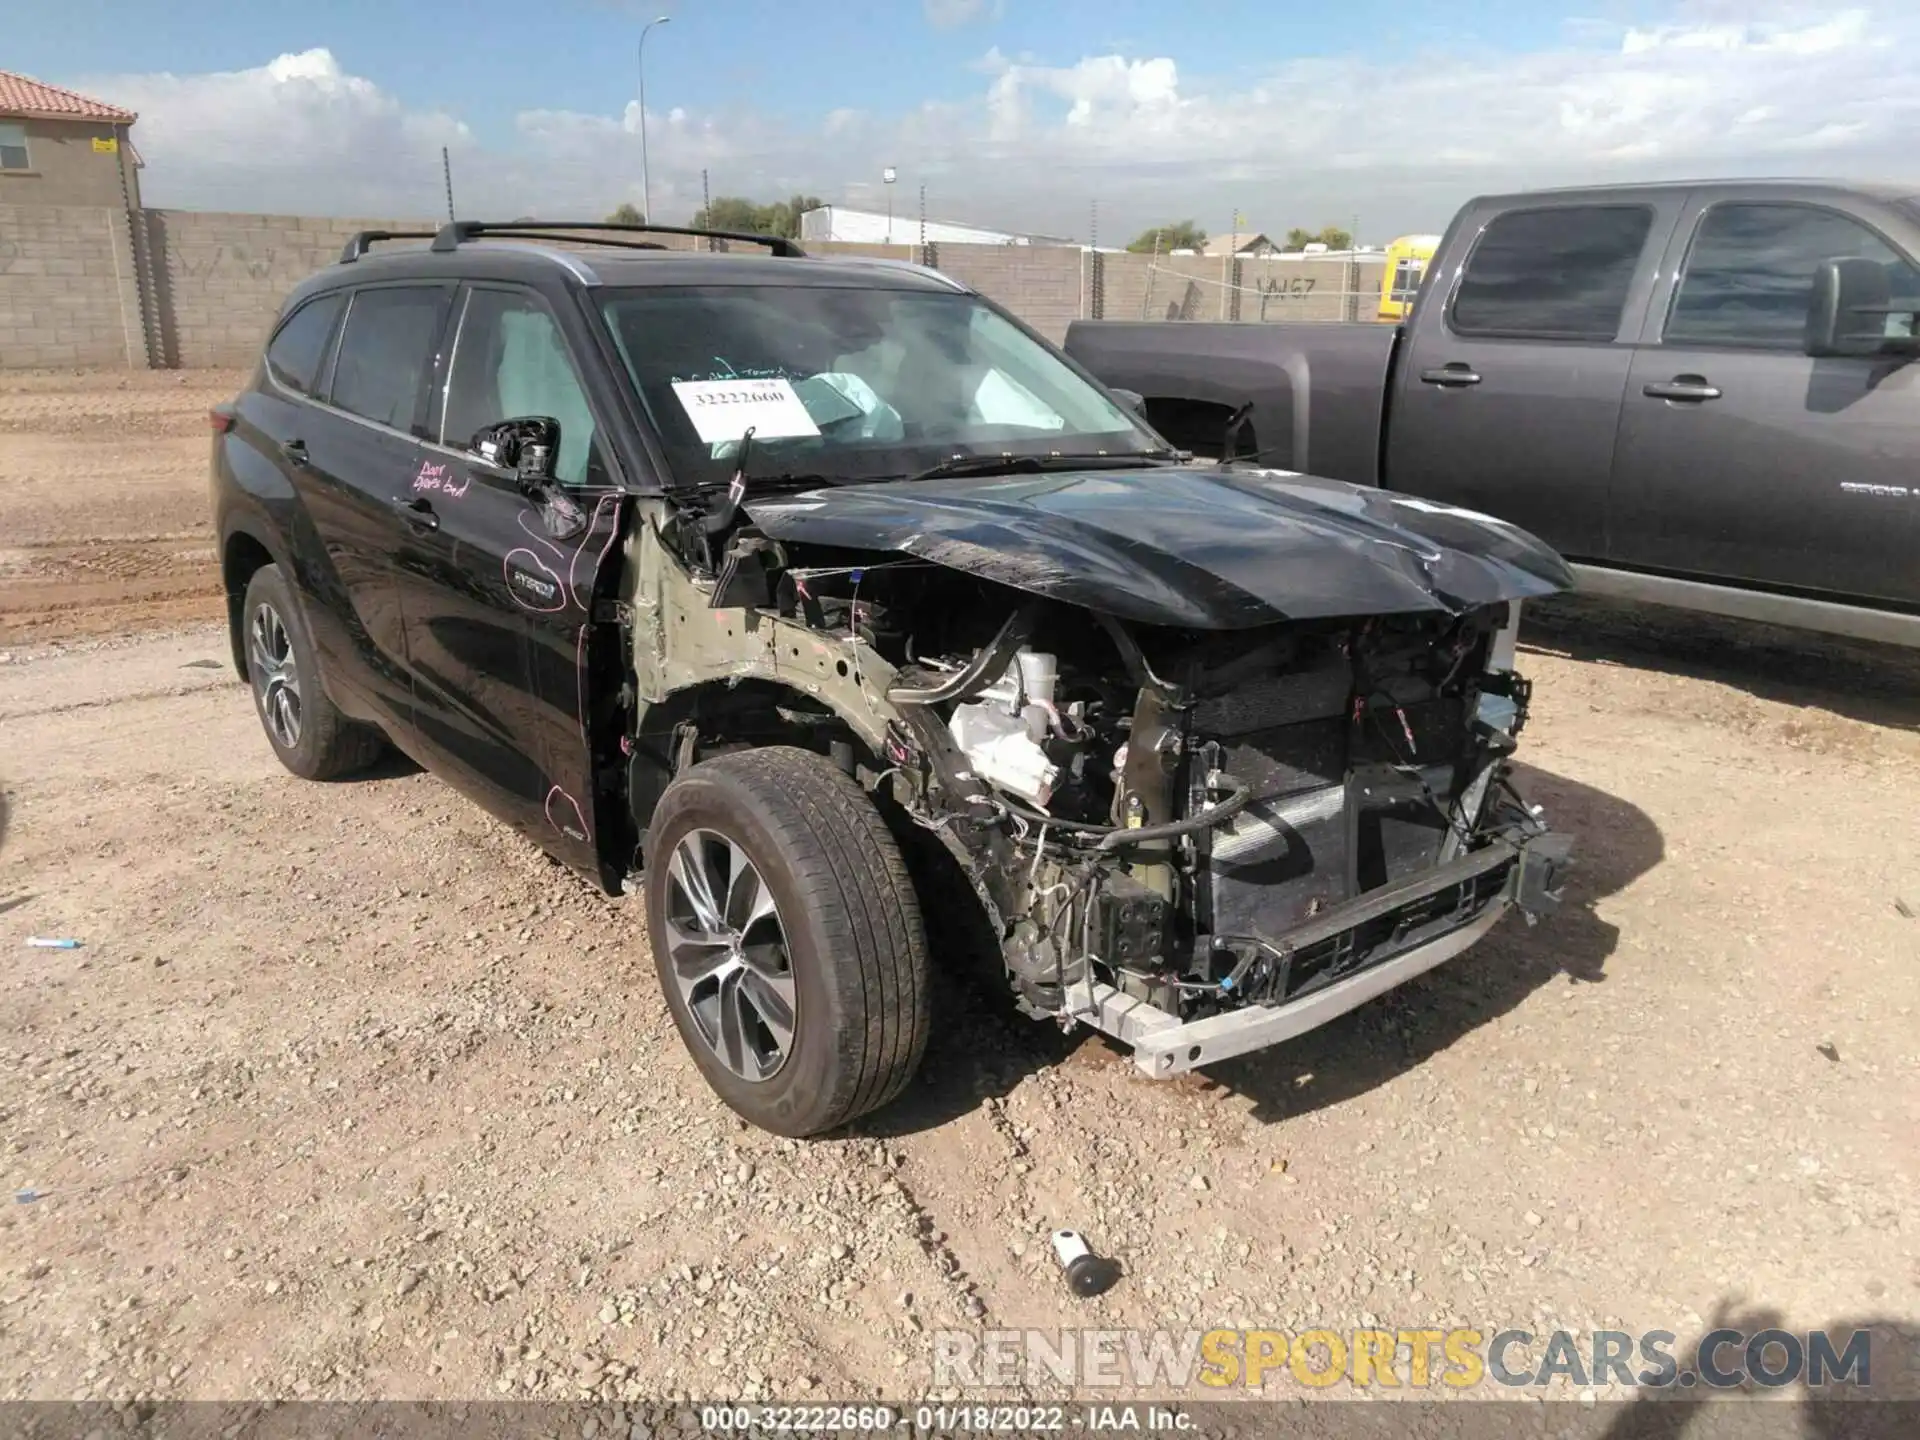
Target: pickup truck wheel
<point x="310" y="737"/>
<point x="788" y="939"/>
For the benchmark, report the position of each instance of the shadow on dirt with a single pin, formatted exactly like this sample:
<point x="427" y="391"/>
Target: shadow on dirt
<point x="1878" y="1401"/>
<point x="1877" y="684"/>
<point x="392" y="765"/>
<point x="981" y="1048"/>
<point x="9" y="902"/>
<point x="1614" y="843"/>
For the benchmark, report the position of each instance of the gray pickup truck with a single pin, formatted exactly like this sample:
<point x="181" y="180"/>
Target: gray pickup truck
<point x="1701" y="394"/>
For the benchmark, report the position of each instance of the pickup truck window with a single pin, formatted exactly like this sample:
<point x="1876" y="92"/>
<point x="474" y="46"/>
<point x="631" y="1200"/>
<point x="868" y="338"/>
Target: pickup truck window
<point x="295" y="354"/>
<point x="1749" y="273"/>
<point x="1558" y="273"/>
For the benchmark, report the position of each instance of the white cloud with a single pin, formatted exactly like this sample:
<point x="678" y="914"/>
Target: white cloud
<point x="292" y="135"/>
<point x="1306" y="141"/>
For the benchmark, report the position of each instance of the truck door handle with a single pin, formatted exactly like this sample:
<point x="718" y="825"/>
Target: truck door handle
<point x="1693" y="388"/>
<point x="1452" y="376"/>
<point x="295" y="451"/>
<point x="417" y="511"/>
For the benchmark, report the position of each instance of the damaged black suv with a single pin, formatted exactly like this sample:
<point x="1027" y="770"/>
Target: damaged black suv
<point x="807" y="587"/>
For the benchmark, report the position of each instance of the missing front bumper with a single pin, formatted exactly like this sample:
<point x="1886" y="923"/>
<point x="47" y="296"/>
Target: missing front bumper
<point x="1164" y="1046"/>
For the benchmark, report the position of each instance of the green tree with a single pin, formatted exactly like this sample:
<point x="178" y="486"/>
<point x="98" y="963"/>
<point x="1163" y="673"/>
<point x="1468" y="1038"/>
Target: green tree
<point x="735" y="212"/>
<point x="783" y="216"/>
<point x="1331" y="236"/>
<point x="1181" y="235"/>
<point x="731" y="212"/>
<point x="626" y="213"/>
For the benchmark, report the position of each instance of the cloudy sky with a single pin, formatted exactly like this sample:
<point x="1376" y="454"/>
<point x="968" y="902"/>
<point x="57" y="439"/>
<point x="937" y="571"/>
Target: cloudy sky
<point x="1021" y="113"/>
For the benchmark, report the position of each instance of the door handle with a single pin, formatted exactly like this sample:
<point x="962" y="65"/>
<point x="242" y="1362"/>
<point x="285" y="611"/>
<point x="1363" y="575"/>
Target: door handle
<point x="417" y="511"/>
<point x="1692" y="388"/>
<point x="295" y="451"/>
<point x="1451" y="376"/>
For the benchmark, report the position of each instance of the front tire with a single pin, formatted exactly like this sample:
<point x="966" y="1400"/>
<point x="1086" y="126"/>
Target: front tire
<point x="788" y="939"/>
<point x="308" y="734"/>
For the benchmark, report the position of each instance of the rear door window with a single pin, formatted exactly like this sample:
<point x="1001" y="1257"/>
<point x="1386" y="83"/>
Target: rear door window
<point x="295" y="353"/>
<point x="1749" y="273"/>
<point x="1555" y="274"/>
<point x="386" y="352"/>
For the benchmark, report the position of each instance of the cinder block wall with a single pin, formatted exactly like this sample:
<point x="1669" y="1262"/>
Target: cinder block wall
<point x="1043" y="285"/>
<point x="68" y="294"/>
<point x="221" y="277"/>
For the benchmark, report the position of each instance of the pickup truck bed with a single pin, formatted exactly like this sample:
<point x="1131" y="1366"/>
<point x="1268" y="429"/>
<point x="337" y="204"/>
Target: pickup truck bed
<point x="1318" y="391"/>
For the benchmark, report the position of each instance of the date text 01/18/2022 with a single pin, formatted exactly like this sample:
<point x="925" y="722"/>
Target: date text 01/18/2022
<point x="944" y="1419"/>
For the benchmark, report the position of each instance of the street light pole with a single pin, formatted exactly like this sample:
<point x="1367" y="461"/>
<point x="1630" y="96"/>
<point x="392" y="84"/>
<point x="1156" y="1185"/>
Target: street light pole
<point x="640" y="64"/>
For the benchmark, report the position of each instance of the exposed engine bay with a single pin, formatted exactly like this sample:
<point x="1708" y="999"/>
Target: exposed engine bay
<point x="1198" y="839"/>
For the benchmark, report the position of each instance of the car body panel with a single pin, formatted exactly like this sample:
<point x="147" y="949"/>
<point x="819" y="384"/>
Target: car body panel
<point x="337" y="532"/>
<point x="1204" y="547"/>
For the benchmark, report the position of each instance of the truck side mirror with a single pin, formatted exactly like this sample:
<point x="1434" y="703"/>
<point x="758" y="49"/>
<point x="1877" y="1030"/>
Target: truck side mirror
<point x="1847" y="312"/>
<point x="528" y="446"/>
<point x="1132" y="399"/>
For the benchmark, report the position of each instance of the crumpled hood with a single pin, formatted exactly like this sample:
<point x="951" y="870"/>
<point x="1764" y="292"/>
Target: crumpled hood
<point x="1194" y="546"/>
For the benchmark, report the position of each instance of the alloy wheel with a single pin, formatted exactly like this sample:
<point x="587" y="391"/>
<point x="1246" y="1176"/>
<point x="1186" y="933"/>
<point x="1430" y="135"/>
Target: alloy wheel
<point x="728" y="955"/>
<point x="276" y="676"/>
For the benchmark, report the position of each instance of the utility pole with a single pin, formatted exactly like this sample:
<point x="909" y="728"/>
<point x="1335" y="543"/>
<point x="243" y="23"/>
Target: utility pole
<point x="446" y="173"/>
<point x="640" y="64"/>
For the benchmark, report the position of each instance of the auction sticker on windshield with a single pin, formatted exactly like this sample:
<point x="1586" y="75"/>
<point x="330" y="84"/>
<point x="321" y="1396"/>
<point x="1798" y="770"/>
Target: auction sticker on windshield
<point x="727" y="409"/>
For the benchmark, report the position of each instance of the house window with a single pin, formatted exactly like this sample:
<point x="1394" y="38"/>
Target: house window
<point x="13" y="146"/>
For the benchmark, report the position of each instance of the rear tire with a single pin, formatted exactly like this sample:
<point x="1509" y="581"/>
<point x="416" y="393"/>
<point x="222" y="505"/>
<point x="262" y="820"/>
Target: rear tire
<point x="308" y="734"/>
<point x="788" y="939"/>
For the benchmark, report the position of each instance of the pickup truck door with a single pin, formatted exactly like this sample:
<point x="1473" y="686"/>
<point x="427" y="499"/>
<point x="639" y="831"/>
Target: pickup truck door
<point x="1509" y="387"/>
<point x="1740" y="457"/>
<point x="498" y="583"/>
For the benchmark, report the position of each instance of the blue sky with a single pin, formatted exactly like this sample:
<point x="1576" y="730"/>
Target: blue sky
<point x="1019" y="112"/>
<point x="789" y="57"/>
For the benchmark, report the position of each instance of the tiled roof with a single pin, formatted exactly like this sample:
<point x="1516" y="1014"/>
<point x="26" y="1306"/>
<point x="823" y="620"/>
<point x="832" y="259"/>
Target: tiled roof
<point x="20" y="95"/>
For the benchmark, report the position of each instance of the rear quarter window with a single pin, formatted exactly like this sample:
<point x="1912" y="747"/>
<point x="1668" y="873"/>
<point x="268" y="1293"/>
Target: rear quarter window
<point x="1558" y="273"/>
<point x="300" y="344"/>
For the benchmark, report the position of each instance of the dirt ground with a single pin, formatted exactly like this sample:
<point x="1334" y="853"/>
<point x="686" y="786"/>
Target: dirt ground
<point x="103" y="500"/>
<point x="351" y="1094"/>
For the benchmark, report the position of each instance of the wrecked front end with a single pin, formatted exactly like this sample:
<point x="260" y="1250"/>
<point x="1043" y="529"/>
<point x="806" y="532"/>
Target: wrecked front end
<point x="1204" y="810"/>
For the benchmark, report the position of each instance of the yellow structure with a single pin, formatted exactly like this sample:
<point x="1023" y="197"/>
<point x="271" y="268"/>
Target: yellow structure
<point x="1407" y="260"/>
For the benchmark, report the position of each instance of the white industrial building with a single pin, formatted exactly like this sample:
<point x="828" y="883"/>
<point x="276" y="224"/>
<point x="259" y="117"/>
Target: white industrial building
<point x="876" y="227"/>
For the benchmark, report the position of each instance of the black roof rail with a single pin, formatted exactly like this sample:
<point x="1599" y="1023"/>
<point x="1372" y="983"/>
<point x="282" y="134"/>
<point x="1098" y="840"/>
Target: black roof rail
<point x="361" y="243"/>
<point x="457" y="232"/>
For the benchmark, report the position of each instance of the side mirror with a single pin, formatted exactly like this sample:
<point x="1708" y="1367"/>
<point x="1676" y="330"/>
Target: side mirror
<point x="1132" y="399"/>
<point x="528" y="447"/>
<point x="1847" y="312"/>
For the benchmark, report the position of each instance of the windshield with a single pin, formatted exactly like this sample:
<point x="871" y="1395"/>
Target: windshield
<point x="851" y="384"/>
